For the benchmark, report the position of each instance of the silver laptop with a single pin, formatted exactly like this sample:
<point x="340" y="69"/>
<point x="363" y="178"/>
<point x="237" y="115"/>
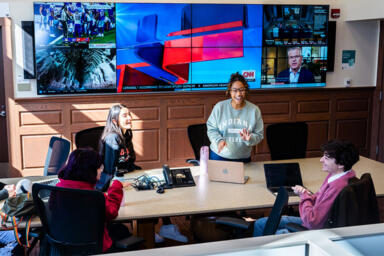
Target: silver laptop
<point x="226" y="171"/>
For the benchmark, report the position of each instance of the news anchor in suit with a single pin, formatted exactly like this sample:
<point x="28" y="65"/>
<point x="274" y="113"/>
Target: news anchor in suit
<point x="295" y="73"/>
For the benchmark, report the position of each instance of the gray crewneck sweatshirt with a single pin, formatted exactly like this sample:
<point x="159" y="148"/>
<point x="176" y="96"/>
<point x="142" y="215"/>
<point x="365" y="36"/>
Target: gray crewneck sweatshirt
<point x="225" y="123"/>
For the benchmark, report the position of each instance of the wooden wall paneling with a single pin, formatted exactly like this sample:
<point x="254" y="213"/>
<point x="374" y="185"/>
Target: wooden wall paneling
<point x="67" y="127"/>
<point x="14" y="137"/>
<point x="145" y="113"/>
<point x="163" y="145"/>
<point x="160" y="123"/>
<point x="315" y="109"/>
<point x="36" y="118"/>
<point x="179" y="147"/>
<point x="293" y="113"/>
<point x="318" y="134"/>
<point x="355" y="131"/>
<point x="352" y="105"/>
<point x="147" y="132"/>
<point x="274" y="108"/>
<point x="312" y="106"/>
<point x="261" y="151"/>
<point x="73" y="144"/>
<point x="332" y="117"/>
<point x="88" y="116"/>
<point x="147" y="148"/>
<point x="33" y="158"/>
<point x="353" y="120"/>
<point x="186" y="112"/>
<point x="180" y="114"/>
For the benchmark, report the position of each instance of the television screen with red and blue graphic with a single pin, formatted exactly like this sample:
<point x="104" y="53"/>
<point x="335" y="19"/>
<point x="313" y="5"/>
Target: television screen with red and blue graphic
<point x="187" y="46"/>
<point x="148" y="47"/>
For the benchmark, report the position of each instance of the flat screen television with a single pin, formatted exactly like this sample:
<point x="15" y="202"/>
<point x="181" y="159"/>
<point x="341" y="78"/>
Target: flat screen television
<point x="75" y="47"/>
<point x="294" y="37"/>
<point x="147" y="47"/>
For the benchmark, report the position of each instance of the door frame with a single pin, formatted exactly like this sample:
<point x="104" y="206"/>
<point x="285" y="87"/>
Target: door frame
<point x="377" y="135"/>
<point x="6" y="36"/>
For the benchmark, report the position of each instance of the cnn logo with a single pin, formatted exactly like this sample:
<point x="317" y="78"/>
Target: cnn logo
<point x="249" y="74"/>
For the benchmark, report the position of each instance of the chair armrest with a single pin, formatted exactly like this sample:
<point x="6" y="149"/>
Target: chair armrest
<point x="294" y="227"/>
<point x="129" y="243"/>
<point x="234" y="222"/>
<point x="193" y="161"/>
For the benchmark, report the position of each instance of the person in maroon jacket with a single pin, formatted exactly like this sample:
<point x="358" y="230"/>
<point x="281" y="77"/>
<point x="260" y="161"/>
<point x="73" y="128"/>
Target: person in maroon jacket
<point x="337" y="161"/>
<point x="82" y="170"/>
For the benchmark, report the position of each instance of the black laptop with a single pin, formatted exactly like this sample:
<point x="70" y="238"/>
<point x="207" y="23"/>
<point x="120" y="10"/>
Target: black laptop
<point x="282" y="174"/>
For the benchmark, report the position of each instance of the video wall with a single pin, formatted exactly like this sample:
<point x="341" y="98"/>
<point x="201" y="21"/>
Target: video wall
<point x="146" y="47"/>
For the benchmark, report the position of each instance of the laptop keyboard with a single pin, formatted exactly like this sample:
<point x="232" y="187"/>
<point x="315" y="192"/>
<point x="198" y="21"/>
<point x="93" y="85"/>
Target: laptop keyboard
<point x="51" y="182"/>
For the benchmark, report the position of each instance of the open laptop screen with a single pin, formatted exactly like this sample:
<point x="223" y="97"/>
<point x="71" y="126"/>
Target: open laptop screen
<point x="282" y="174"/>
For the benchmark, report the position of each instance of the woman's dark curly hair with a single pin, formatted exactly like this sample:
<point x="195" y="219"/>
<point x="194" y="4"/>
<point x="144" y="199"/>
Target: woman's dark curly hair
<point x="237" y="77"/>
<point x="344" y="153"/>
<point x="82" y="165"/>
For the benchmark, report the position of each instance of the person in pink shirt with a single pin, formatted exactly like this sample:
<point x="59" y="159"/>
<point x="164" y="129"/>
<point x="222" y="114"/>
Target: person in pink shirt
<point x="338" y="159"/>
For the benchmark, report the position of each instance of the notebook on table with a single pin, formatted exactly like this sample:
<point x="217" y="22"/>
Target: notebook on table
<point x="226" y="171"/>
<point x="282" y="174"/>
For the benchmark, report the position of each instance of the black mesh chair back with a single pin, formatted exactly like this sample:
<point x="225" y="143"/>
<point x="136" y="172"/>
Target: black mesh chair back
<point x="72" y="219"/>
<point x="57" y="155"/>
<point x="197" y="134"/>
<point x="356" y="204"/>
<point x="89" y="137"/>
<point x="287" y="140"/>
<point x="274" y="218"/>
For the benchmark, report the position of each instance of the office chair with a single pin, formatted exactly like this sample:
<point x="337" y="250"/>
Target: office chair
<point x="89" y="137"/>
<point x="197" y="134"/>
<point x="243" y="228"/>
<point x="73" y="220"/>
<point x="57" y="155"/>
<point x="287" y="140"/>
<point x="356" y="204"/>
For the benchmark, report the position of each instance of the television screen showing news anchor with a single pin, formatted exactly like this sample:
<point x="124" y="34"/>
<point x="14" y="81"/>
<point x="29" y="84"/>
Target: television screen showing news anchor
<point x="295" y="39"/>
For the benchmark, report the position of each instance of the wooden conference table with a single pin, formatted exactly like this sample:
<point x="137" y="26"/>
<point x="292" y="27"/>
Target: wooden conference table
<point x="144" y="207"/>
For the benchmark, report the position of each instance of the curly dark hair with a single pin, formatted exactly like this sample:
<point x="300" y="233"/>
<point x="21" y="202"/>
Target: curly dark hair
<point x="237" y="77"/>
<point x="344" y="153"/>
<point x="82" y="165"/>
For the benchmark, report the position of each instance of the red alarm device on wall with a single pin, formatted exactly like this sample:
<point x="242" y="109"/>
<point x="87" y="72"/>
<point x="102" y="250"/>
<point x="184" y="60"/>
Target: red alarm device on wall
<point x="335" y="13"/>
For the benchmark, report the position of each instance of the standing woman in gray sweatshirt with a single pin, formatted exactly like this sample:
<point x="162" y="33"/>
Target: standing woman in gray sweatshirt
<point x="235" y="125"/>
